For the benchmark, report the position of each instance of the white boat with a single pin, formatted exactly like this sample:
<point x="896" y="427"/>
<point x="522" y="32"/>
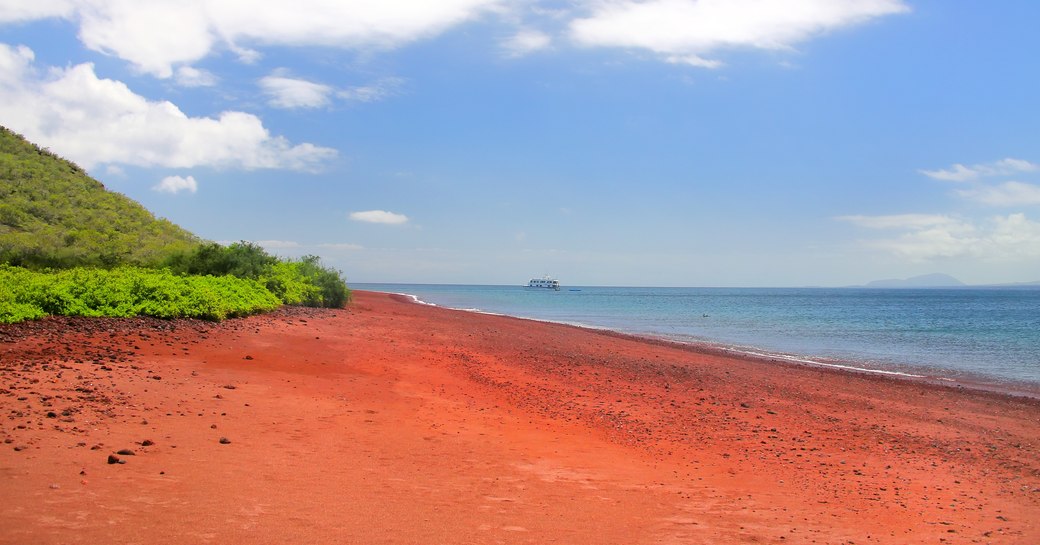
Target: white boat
<point x="545" y="282"/>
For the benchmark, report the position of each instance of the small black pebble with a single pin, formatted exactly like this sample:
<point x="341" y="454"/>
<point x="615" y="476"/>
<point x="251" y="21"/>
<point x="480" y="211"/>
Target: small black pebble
<point x="126" y="452"/>
<point x="224" y="441"/>
<point x="113" y="459"/>
<point x="52" y="414"/>
<point x="147" y="443"/>
<point x="249" y="357"/>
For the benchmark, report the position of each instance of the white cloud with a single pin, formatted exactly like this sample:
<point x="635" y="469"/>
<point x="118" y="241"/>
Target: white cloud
<point x="1002" y="238"/>
<point x="899" y="221"/>
<point x="525" y="42"/>
<point x="157" y="35"/>
<point x="20" y="10"/>
<point x="291" y="93"/>
<point x="292" y="247"/>
<point x="160" y="37"/>
<point x="1018" y="233"/>
<point x="188" y="76"/>
<point x="961" y="173"/>
<point x="379" y="216"/>
<point x="277" y="244"/>
<point x="176" y="184"/>
<point x="15" y="63"/>
<point x="373" y="92"/>
<point x="693" y="60"/>
<point x="152" y="35"/>
<point x="686" y="31"/>
<point x="341" y="246"/>
<point x="1005" y="194"/>
<point x="93" y="121"/>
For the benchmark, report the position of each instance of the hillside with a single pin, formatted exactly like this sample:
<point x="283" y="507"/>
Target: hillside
<point x="52" y="214"/>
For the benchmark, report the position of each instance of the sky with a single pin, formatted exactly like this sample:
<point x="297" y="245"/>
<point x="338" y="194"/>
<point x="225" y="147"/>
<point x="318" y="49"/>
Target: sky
<point x="603" y="142"/>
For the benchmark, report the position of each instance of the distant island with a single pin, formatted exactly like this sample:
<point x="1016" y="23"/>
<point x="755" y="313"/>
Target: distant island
<point x="939" y="280"/>
<point x="935" y="280"/>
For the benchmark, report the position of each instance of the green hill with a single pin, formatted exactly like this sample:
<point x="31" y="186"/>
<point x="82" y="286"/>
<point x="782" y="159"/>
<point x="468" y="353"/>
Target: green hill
<point x="52" y="214"/>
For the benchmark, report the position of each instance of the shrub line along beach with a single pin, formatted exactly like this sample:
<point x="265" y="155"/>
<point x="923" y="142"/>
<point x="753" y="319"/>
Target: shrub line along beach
<point x="393" y="422"/>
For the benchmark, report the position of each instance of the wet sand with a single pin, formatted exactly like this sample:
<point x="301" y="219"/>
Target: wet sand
<point x="392" y="422"/>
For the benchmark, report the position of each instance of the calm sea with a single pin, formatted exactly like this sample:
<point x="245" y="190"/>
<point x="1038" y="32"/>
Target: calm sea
<point x="988" y="335"/>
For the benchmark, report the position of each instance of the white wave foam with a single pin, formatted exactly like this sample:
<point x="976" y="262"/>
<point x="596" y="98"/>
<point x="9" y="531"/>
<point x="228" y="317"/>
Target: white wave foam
<point x="797" y="359"/>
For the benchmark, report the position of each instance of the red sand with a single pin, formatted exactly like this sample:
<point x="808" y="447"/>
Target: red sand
<point x="391" y="422"/>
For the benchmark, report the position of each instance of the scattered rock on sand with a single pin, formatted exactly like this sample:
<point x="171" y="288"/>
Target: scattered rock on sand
<point x="225" y="441"/>
<point x="126" y="452"/>
<point x="113" y="459"/>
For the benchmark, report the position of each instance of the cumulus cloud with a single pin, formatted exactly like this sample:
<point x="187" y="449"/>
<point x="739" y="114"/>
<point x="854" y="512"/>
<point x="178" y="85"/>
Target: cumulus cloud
<point x="689" y="31"/>
<point x="94" y="121"/>
<point x="158" y="35"/>
<point x="13" y="11"/>
<point x="379" y="216"/>
<point x="292" y="93"/>
<point x="961" y="173"/>
<point x="1000" y="238"/>
<point x="1005" y="194"/>
<point x="153" y="36"/>
<point x="525" y="42"/>
<point x="176" y="184"/>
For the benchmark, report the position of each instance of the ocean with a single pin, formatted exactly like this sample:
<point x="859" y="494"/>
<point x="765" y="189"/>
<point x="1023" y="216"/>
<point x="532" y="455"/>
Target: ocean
<point x="986" y="336"/>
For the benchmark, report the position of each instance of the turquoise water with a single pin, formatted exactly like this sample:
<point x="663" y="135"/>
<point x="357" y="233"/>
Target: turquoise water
<point x="979" y="334"/>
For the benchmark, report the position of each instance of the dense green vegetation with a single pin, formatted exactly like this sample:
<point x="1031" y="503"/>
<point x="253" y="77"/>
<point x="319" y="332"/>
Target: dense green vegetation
<point x="127" y="291"/>
<point x="70" y="247"/>
<point x="296" y="282"/>
<point x="52" y="214"/>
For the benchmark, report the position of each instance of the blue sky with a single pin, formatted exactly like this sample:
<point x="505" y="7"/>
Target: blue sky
<point x="605" y="142"/>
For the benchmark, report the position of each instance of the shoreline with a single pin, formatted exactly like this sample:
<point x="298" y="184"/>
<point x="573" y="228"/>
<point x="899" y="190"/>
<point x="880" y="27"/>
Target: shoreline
<point x="974" y="381"/>
<point x="391" y="422"/>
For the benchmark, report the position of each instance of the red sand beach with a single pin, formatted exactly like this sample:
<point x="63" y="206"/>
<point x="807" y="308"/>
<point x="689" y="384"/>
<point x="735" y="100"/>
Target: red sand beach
<point x="392" y="422"/>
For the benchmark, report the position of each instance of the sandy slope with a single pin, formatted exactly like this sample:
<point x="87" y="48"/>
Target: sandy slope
<point x="391" y="422"/>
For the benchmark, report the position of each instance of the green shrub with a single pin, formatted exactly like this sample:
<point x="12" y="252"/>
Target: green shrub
<point x="13" y="305"/>
<point x="304" y="281"/>
<point x="285" y="280"/>
<point x="241" y="259"/>
<point x="332" y="289"/>
<point x="128" y="291"/>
